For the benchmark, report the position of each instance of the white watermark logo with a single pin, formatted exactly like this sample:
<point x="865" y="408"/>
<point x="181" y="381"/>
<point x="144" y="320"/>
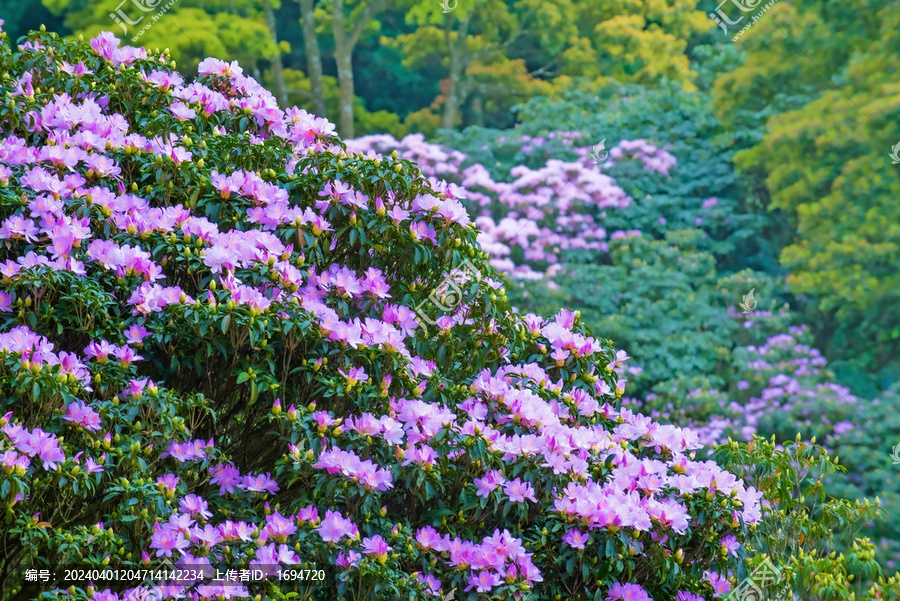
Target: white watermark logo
<point x="721" y="18"/>
<point x="153" y="589"/>
<point x="599" y="152"/>
<point x="145" y="6"/>
<point x="449" y="6"/>
<point x="895" y="454"/>
<point x="448" y="295"/>
<point x="744" y="6"/>
<point x="764" y="583"/>
<point x="895" y="154"/>
<point x="749" y="304"/>
<point x="121" y="18"/>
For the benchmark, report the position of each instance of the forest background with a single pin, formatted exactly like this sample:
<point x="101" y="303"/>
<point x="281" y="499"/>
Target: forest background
<point x="750" y="264"/>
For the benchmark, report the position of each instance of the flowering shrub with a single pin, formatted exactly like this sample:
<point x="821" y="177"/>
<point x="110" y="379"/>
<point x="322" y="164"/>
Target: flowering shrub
<point x="809" y="535"/>
<point x="558" y="226"/>
<point x="528" y="225"/>
<point x="703" y="190"/>
<point x="656" y="287"/>
<point x="781" y="388"/>
<point x="225" y="345"/>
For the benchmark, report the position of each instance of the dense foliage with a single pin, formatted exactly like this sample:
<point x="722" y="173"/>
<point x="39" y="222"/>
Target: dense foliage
<point x="822" y="89"/>
<point x="224" y="345"/>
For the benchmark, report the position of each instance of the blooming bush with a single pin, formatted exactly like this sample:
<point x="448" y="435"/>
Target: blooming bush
<point x="809" y="535"/>
<point x="227" y="344"/>
<point x="782" y="388"/>
<point x="532" y="224"/>
<point x="563" y="229"/>
<point x="702" y="190"/>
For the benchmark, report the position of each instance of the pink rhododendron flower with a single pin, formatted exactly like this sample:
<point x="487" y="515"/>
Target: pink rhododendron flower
<point x="167" y="540"/>
<point x="518" y="491"/>
<point x="377" y="547"/>
<point x="260" y="483"/>
<point x="489" y="483"/>
<point x="575" y="539"/>
<point x="483" y="581"/>
<point x="334" y="527"/>
<point x="720" y="585"/>
<point x="80" y="414"/>
<point x="627" y="592"/>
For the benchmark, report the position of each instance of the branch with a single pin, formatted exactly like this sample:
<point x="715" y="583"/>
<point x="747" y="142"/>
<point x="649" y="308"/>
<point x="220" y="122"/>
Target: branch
<point x="369" y="13"/>
<point x="501" y="45"/>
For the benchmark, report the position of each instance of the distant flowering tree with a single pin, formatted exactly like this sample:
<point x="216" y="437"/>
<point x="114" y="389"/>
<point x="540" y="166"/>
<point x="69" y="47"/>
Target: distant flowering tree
<point x="539" y="218"/>
<point x="213" y="353"/>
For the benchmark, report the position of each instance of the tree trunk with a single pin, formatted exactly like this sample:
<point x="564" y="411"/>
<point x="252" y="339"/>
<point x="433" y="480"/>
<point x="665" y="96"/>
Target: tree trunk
<point x="313" y="57"/>
<point x="345" y="84"/>
<point x="458" y="62"/>
<point x="477" y="109"/>
<point x="343" y="56"/>
<point x="277" y="65"/>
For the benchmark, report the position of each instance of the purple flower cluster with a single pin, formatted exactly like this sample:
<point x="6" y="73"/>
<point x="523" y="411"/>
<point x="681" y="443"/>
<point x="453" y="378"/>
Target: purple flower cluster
<point x="543" y="212"/>
<point x="348" y="464"/>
